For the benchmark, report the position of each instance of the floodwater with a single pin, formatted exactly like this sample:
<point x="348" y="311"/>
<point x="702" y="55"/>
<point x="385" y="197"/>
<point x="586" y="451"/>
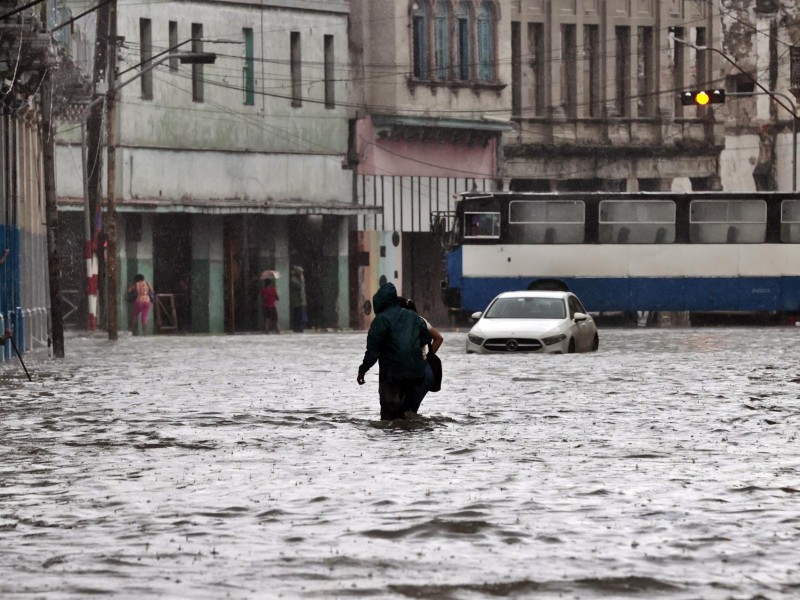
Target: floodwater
<point x="667" y="465"/>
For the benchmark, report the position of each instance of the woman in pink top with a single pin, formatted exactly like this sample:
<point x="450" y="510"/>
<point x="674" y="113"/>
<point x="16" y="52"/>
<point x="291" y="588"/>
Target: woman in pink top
<point x="269" y="296"/>
<point x="142" y="293"/>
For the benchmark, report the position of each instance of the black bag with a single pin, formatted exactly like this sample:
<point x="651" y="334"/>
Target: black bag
<point x="436" y="365"/>
<point x="131" y="297"/>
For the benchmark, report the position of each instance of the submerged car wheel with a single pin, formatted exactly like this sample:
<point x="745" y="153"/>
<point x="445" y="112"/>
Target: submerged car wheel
<point x="595" y="343"/>
<point x="571" y="349"/>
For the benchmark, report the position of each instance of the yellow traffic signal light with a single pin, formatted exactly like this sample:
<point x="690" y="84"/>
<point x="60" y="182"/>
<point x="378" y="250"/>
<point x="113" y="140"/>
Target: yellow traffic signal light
<point x="702" y="97"/>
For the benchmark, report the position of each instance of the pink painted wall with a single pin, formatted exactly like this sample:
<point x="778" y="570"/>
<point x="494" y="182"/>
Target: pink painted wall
<point x="421" y="159"/>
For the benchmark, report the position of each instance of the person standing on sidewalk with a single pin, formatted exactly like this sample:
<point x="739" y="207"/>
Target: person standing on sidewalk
<point x="143" y="295"/>
<point x="269" y="296"/>
<point x="394" y="340"/>
<point x="297" y="298"/>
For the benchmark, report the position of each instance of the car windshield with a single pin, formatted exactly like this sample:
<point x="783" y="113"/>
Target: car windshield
<point x="527" y="308"/>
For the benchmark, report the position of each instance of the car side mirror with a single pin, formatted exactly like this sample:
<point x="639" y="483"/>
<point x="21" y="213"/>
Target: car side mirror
<point x="578" y="317"/>
<point x="476" y="315"/>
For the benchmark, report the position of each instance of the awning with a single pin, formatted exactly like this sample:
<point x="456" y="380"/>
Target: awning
<point x="228" y="207"/>
<point x="488" y="124"/>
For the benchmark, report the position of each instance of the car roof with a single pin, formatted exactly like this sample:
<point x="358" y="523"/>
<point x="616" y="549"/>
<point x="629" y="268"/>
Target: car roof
<point x="534" y="294"/>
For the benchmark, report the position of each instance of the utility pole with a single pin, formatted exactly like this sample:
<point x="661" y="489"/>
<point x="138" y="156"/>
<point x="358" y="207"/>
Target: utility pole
<point x="51" y="214"/>
<point x="94" y="162"/>
<point x="111" y="215"/>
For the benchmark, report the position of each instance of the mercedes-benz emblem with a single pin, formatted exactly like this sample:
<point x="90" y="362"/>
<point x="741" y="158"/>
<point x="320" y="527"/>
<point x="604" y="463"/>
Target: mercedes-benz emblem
<point x="512" y="345"/>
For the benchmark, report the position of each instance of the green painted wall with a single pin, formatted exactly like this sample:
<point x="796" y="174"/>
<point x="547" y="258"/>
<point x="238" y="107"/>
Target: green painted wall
<point x="208" y="297"/>
<point x="135" y="257"/>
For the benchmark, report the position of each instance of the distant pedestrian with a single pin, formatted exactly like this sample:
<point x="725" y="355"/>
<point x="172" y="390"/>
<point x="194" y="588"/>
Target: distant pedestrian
<point x="269" y="296"/>
<point x="394" y="340"/>
<point x="142" y="295"/>
<point x="297" y="299"/>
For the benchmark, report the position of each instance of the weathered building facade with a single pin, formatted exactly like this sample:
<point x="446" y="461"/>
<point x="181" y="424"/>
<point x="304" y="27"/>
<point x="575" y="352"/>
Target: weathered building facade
<point x="760" y="137"/>
<point x="433" y="100"/>
<point x="25" y="56"/>
<point x="595" y="96"/>
<point x="226" y="169"/>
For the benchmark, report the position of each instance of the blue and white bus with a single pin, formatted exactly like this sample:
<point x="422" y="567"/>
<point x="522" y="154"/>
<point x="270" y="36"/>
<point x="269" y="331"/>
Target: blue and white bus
<point x="647" y="251"/>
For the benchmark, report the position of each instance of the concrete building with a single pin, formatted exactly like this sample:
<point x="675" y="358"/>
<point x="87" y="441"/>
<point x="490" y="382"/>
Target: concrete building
<point x="758" y="38"/>
<point x="595" y="96"/>
<point x="225" y="169"/>
<point x="25" y="54"/>
<point x="432" y="83"/>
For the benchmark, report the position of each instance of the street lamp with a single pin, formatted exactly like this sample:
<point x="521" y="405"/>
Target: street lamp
<point x="111" y="233"/>
<point x="764" y="91"/>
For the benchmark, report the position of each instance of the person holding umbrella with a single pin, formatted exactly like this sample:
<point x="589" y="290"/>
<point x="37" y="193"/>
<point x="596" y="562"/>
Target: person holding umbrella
<point x="269" y="296"/>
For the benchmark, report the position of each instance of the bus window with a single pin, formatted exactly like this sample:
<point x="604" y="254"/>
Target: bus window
<point x="546" y="222"/>
<point x="728" y="221"/>
<point x="481" y="225"/>
<point x="637" y="222"/>
<point x="790" y="221"/>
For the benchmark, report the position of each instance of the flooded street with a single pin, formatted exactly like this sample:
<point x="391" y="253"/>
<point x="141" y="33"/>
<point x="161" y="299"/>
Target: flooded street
<point x="665" y="465"/>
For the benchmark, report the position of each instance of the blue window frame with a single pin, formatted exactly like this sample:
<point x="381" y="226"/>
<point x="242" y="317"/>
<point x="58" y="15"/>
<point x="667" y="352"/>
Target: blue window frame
<point x="464" y="47"/>
<point x="419" y="28"/>
<point x="486" y="42"/>
<point x="442" y="39"/>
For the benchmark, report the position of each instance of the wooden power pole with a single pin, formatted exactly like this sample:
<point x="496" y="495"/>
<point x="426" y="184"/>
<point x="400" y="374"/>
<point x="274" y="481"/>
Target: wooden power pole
<point x="111" y="216"/>
<point x="51" y="215"/>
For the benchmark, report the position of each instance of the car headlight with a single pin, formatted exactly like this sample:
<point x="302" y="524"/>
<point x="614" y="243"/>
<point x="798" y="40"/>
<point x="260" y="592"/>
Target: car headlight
<point x="475" y="339"/>
<point x="554" y="339"/>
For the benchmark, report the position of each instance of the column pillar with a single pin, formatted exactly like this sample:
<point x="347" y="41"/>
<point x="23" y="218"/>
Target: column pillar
<point x="208" y="282"/>
<point x="335" y="285"/>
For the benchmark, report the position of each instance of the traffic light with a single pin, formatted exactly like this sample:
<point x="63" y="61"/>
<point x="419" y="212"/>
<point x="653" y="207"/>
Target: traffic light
<point x="702" y="97"/>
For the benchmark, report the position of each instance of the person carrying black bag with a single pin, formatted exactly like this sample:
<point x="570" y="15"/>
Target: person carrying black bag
<point x="433" y="365"/>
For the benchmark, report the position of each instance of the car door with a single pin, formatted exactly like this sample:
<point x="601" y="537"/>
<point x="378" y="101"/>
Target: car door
<point x="584" y="335"/>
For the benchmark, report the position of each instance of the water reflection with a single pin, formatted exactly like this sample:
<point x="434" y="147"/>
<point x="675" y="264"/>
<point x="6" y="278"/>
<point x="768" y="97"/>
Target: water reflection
<point x="666" y="465"/>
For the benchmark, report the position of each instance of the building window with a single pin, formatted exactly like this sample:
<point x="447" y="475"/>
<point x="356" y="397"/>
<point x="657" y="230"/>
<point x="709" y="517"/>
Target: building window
<point x="442" y="40"/>
<point x="486" y="51"/>
<point x="538" y="65"/>
<point x="145" y="55"/>
<point x="173" y="42"/>
<point x="516" y="69"/>
<point x="569" y="71"/>
<point x="330" y="100"/>
<point x="197" y="70"/>
<point x="623" y="70"/>
<point x="295" y="68"/>
<point x="248" y="71"/>
<point x="645" y="73"/>
<point x="419" y="29"/>
<point x="591" y="40"/>
<point x="464" y="48"/>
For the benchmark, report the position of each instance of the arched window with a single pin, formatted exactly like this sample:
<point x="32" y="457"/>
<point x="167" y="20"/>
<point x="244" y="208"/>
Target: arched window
<point x="441" y="35"/>
<point x="419" y="27"/>
<point x="464" y="40"/>
<point x="486" y="50"/>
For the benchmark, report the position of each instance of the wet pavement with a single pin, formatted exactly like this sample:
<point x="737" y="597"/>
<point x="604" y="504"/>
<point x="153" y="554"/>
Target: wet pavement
<point x="667" y="465"/>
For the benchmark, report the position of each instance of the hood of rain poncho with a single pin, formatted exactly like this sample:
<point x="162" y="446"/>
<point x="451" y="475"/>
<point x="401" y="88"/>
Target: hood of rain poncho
<point x="385" y="297"/>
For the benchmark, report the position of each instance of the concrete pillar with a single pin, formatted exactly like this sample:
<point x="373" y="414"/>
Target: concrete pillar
<point x="335" y="269"/>
<point x="208" y="282"/>
<point x="135" y="256"/>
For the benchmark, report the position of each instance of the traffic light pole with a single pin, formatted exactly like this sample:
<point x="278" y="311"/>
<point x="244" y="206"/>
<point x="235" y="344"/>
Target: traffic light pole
<point x="764" y="91"/>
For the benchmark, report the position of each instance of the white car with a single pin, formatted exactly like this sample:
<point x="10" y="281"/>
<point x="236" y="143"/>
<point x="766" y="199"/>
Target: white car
<point x="533" y="321"/>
